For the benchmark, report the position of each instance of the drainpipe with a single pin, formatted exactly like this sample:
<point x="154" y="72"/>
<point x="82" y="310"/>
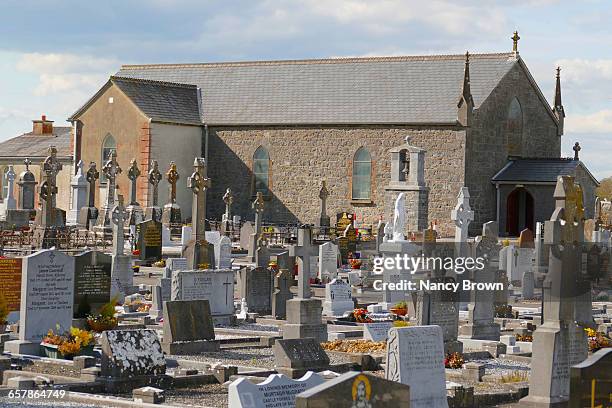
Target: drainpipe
<point x="206" y="143"/>
<point x="497" y="192"/>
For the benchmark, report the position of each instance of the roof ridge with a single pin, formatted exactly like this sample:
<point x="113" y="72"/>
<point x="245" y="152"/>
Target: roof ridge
<point x="544" y="158"/>
<point x="315" y="61"/>
<point x="153" y="82"/>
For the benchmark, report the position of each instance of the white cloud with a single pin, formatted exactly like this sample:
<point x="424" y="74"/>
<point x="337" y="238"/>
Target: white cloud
<point x="596" y="122"/>
<point x="581" y="71"/>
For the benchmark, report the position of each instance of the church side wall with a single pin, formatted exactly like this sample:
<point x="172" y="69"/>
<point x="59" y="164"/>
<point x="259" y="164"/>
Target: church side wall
<point x="302" y="157"/>
<point x="181" y="144"/>
<point x="487" y="141"/>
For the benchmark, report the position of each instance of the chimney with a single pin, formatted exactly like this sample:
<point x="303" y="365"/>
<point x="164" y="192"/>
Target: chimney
<point x="42" y="126"/>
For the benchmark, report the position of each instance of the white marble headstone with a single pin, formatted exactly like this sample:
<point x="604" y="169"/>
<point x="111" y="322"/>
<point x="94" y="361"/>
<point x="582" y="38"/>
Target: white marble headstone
<point x="328" y="260"/>
<point x="338" y="298"/>
<point x="377" y="331"/>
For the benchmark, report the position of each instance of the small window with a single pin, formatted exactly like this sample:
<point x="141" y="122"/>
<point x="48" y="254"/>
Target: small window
<point x="362" y="175"/>
<point x="261" y="171"/>
<point x="108" y="146"/>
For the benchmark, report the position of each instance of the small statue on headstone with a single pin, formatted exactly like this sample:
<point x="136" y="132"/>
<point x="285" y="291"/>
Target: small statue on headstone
<point x="399" y="218"/>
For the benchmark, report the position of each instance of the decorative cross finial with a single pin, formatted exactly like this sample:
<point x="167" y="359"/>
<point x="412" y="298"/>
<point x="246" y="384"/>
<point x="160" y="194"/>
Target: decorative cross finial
<point x="258" y="204"/>
<point x="576" y="150"/>
<point x="515" y="39"/>
<point x="558" y="72"/>
<point x="27" y="163"/>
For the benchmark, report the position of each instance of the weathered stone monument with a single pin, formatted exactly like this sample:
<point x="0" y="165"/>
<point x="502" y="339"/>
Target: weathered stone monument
<point x="303" y="312"/>
<point x="89" y="215"/>
<point x="328" y="261"/>
<point x="19" y="216"/>
<point x="122" y="274"/>
<point x="226" y="219"/>
<point x="281" y="294"/>
<point x="462" y="215"/>
<point x="199" y="252"/>
<point x="149" y="235"/>
<point x="338" y="298"/>
<point x="27" y="187"/>
<point x="50" y="219"/>
<point x="10" y="203"/>
<point x="134" y="211"/>
<point x="153" y="211"/>
<point x="259" y="206"/>
<point x="559" y="342"/>
<point x="171" y="216"/>
<point x="110" y="169"/>
<point x="256" y="285"/>
<point x="323" y="194"/>
<point x="295" y="357"/>
<point x="188" y="327"/>
<point x="78" y="184"/>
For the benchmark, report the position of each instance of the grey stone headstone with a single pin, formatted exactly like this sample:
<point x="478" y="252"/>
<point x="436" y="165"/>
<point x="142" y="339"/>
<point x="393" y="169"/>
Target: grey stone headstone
<point x="131" y="353"/>
<point x="149" y="239"/>
<point x="281" y="294"/>
<point x="122" y="276"/>
<point x="246" y="231"/>
<point x="376" y="331"/>
<point x="597" y="369"/>
<point x="175" y="264"/>
<point x="216" y="286"/>
<point x="92" y="280"/>
<point x="188" y="320"/>
<point x="300" y="353"/>
<point x="256" y="287"/>
<point x="47" y="294"/>
<point x="328" y="261"/>
<point x="223" y="253"/>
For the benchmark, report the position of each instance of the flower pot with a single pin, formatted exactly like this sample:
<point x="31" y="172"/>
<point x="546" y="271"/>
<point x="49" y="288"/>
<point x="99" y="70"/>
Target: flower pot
<point x="52" y="351"/>
<point x="399" y="312"/>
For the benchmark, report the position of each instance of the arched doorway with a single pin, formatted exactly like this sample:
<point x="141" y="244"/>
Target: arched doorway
<point x="519" y="211"/>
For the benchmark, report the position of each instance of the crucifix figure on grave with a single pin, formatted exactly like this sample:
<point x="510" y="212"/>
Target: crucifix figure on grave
<point x="111" y="169"/>
<point x="154" y="178"/>
<point x="323" y="194"/>
<point x="92" y="175"/>
<point x="304" y="250"/>
<point x="48" y="188"/>
<point x="118" y="219"/>
<point x="133" y="174"/>
<point x="172" y="176"/>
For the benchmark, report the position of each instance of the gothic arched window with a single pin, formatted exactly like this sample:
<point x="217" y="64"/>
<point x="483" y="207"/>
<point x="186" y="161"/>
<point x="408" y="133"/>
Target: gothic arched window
<point x="514" y="128"/>
<point x="362" y="175"/>
<point x="109" y="145"/>
<point x="261" y="171"/>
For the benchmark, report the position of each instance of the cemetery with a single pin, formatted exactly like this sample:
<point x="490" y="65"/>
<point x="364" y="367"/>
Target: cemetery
<point x="212" y="296"/>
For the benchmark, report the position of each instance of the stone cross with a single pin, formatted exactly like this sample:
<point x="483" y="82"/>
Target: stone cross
<point x="92" y="175"/>
<point x="27" y="163"/>
<point x="228" y="199"/>
<point x="172" y="176"/>
<point x="462" y="215"/>
<point x="118" y="218"/>
<point x="154" y="178"/>
<point x="48" y="188"/>
<point x="304" y="249"/>
<point x="11" y="203"/>
<point x="576" y="150"/>
<point x="258" y="206"/>
<point x="515" y="39"/>
<point x="323" y="194"/>
<point x="111" y="169"/>
<point x="133" y="174"/>
<point x="199" y="183"/>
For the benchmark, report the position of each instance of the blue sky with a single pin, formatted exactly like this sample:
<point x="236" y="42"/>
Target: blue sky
<point x="55" y="54"/>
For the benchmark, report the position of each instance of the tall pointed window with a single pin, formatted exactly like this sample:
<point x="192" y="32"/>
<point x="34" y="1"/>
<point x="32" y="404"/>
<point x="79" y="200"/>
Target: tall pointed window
<point x="514" y="128"/>
<point x="362" y="175"/>
<point x="109" y="145"/>
<point x="261" y="171"/>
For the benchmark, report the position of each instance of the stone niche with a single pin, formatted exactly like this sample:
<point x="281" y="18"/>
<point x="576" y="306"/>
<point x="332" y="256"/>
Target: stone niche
<point x="408" y="176"/>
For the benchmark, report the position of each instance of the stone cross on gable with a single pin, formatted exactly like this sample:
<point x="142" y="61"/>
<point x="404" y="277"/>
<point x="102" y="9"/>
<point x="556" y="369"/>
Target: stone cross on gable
<point x="10" y="202"/>
<point x="199" y="183"/>
<point x="172" y="176"/>
<point x="323" y="194"/>
<point x="462" y="215"/>
<point x="258" y="205"/>
<point x="92" y="175"/>
<point x="133" y="174"/>
<point x="27" y="163"/>
<point x="118" y="218"/>
<point x="576" y="150"/>
<point x="228" y="199"/>
<point x="48" y="188"/>
<point x="304" y="249"/>
<point x="111" y="169"/>
<point x="154" y="178"/>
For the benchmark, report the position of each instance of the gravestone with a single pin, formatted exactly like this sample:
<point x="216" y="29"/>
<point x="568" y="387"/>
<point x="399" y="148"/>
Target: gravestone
<point x="323" y="194"/>
<point x="175" y="265"/>
<point x="10" y="277"/>
<point x="130" y="354"/>
<point x="122" y="274"/>
<point x="276" y="391"/>
<point x="149" y="240"/>
<point x="198" y="251"/>
<point x="27" y="187"/>
<point x="89" y="215"/>
<point x="50" y="219"/>
<point x="256" y="287"/>
<point x="214" y="285"/>
<point x="226" y="218"/>
<point x="338" y="298"/>
<point x="245" y="235"/>
<point x="154" y="177"/>
<point x="376" y="331"/>
<point x="355" y="389"/>
<point x="223" y="253"/>
<point x="328" y="261"/>
<point x="295" y="357"/>
<point x="188" y="327"/>
<point x="281" y="294"/>
<point x="111" y="170"/>
<point x="157" y="304"/>
<point x="47" y="295"/>
<point x="462" y="215"/>
<point x="78" y="184"/>
<point x="171" y="215"/>
<point x="591" y="380"/>
<point x="415" y="356"/>
<point x="92" y="282"/>
<point x="258" y="206"/>
<point x="10" y="203"/>
<point x="347" y="243"/>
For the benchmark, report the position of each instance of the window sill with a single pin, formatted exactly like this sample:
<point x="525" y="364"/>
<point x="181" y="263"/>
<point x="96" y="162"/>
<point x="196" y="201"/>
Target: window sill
<point x="362" y="202"/>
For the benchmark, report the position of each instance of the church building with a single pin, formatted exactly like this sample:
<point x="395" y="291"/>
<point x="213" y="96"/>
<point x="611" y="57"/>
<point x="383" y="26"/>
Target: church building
<point x="282" y="127"/>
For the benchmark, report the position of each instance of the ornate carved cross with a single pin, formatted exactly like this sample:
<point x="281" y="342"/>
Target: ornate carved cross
<point x="118" y="218"/>
<point x="198" y="183"/>
<point x="172" y="176"/>
<point x="92" y="175"/>
<point x="154" y="178"/>
<point x="111" y="169"/>
<point x="133" y="174"/>
<point x="228" y="199"/>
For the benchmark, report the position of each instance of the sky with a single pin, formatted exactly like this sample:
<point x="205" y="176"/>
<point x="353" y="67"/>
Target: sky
<point x="54" y="55"/>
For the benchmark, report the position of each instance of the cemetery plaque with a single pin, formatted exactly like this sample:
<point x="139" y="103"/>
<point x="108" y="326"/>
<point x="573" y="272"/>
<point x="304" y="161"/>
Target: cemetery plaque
<point x="92" y="279"/>
<point x="377" y="331"/>
<point x="47" y="294"/>
<point x="149" y="239"/>
<point x="131" y="353"/>
<point x="415" y="356"/>
<point x="10" y="279"/>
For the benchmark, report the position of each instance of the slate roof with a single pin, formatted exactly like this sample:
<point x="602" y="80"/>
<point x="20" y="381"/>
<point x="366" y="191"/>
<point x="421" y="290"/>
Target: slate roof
<point x="35" y="146"/>
<point x="378" y="90"/>
<point x="536" y="170"/>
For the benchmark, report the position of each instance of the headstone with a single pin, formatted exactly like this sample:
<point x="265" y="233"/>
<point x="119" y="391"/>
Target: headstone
<point x="281" y="294"/>
<point x="256" y="287"/>
<point x="338" y="298"/>
<point x="323" y="194"/>
<point x="223" y="253"/>
<point x="131" y="354"/>
<point x="328" y="261"/>
<point x="10" y="203"/>
<point x="376" y="331"/>
<point x="166" y="288"/>
<point x="214" y="285"/>
<point x="258" y="206"/>
<point x="188" y="327"/>
<point x="347" y="243"/>
<point x="149" y="240"/>
<point x="591" y="380"/>
<point x="171" y="216"/>
<point x="111" y="170"/>
<point x="297" y="356"/>
<point x="186" y="232"/>
<point x="154" y="212"/>
<point x="50" y="217"/>
<point x="355" y="389"/>
<point x="10" y="276"/>
<point x="78" y="195"/>
<point x="27" y="187"/>
<point x="92" y="282"/>
<point x="305" y="251"/>
<point x="277" y="391"/>
<point x="226" y="219"/>
<point x="415" y="356"/>
<point x="462" y="215"/>
<point x="157" y="305"/>
<point x="89" y="215"/>
<point x="380" y="235"/>
<point x="175" y="265"/>
<point x="134" y="210"/>
<point x="245" y="235"/>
